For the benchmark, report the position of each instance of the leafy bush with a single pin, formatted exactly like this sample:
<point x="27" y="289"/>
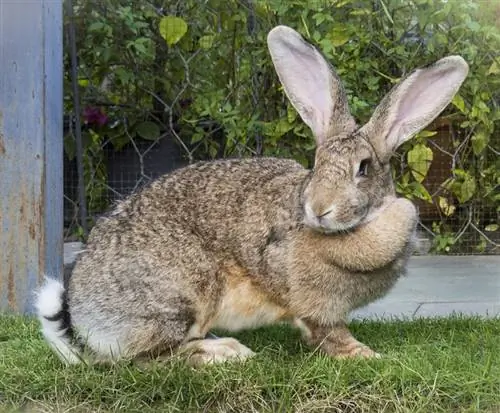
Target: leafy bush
<point x="200" y="73"/>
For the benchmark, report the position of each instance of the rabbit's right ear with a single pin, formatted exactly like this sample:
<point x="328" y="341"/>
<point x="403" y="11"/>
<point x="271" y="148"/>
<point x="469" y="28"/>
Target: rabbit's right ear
<point x="311" y="85"/>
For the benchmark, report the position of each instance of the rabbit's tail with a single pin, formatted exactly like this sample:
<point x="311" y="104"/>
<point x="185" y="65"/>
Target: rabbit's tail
<point x="53" y="313"/>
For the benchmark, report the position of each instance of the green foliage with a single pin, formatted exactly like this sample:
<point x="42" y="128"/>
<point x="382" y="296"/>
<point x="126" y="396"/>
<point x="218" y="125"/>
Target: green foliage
<point x="200" y="73"/>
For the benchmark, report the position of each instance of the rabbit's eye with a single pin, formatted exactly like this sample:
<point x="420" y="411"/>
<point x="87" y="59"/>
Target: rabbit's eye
<point x="364" y="167"/>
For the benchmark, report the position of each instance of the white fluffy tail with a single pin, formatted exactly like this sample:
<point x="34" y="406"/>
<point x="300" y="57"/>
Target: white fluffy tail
<point x="53" y="313"/>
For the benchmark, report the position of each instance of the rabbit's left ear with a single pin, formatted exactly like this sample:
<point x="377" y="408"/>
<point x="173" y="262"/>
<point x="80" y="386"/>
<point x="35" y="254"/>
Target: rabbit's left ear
<point x="414" y="103"/>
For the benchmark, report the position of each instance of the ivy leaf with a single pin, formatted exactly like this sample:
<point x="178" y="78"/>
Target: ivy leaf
<point x="473" y="25"/>
<point x="282" y="127"/>
<point x="148" y="130"/>
<point x="427" y="133"/>
<point x="123" y="75"/>
<point x="83" y="82"/>
<point x="491" y="228"/>
<point x="494" y="69"/>
<point x="207" y="41"/>
<point x="70" y="146"/>
<point x="339" y="36"/>
<point x="459" y="103"/>
<point x="447" y="208"/>
<point x="95" y="26"/>
<point x="419" y="191"/>
<point x="172" y="29"/>
<point x="291" y="114"/>
<point x="419" y="160"/>
<point x="480" y="141"/>
<point x="120" y="141"/>
<point x="361" y="12"/>
<point x="197" y="137"/>
<point x="463" y="185"/>
<point x="467" y="189"/>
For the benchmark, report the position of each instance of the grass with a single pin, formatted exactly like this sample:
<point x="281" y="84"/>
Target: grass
<point x="445" y="365"/>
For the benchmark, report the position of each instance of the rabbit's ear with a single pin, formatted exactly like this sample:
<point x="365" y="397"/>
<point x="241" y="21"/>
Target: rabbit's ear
<point x="414" y="103"/>
<point x="310" y="83"/>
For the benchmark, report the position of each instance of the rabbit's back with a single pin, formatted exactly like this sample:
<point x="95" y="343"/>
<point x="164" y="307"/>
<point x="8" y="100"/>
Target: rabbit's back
<point x="222" y="202"/>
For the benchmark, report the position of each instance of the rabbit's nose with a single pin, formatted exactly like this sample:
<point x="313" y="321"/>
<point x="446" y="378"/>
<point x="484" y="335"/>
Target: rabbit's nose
<point x="310" y="215"/>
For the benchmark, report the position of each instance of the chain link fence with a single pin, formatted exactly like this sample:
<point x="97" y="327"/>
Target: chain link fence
<point x="163" y="85"/>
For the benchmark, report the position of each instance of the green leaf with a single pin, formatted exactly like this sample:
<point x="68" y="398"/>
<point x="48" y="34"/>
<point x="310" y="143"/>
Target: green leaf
<point x="447" y="208"/>
<point x="386" y="11"/>
<point x="459" y="103"/>
<point x="342" y="3"/>
<point x="207" y="41"/>
<point x="282" y="127"/>
<point x="291" y="114"/>
<point x="97" y="26"/>
<point x="463" y="185"/>
<point x="197" y="137"/>
<point x="70" y="146"/>
<point x="419" y="160"/>
<point x="361" y="12"/>
<point x="480" y="141"/>
<point x="123" y="75"/>
<point x="83" y="82"/>
<point x="494" y="69"/>
<point x="467" y="189"/>
<point x="491" y="228"/>
<point x="427" y="133"/>
<point x="172" y="29"/>
<point x="339" y="36"/>
<point x="419" y="191"/>
<point x="473" y="26"/>
<point x="120" y="140"/>
<point x="148" y="130"/>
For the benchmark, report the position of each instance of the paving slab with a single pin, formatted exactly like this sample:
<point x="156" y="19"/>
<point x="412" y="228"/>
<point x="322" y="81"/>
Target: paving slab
<point x="486" y="309"/>
<point x="388" y="309"/>
<point x="439" y="286"/>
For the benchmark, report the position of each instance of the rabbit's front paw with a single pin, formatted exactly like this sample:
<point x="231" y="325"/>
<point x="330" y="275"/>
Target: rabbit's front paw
<point x="404" y="212"/>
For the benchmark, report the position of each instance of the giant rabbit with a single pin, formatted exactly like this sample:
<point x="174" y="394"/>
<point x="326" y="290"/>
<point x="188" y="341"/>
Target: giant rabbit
<point x="239" y="243"/>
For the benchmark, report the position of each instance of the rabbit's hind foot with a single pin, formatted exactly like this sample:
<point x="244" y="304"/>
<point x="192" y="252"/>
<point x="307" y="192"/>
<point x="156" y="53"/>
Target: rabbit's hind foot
<point x="358" y="350"/>
<point x="215" y="350"/>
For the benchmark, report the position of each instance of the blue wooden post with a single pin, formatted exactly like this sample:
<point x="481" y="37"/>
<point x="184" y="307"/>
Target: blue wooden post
<point x="31" y="167"/>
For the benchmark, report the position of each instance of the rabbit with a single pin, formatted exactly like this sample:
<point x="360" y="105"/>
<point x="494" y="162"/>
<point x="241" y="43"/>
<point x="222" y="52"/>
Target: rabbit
<point x="240" y="243"/>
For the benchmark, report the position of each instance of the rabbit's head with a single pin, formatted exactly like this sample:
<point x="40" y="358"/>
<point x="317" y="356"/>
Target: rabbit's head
<point x="351" y="175"/>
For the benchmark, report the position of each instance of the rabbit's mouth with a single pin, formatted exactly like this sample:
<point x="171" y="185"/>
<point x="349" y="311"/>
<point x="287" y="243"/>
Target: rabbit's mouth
<point x="328" y="222"/>
<point x="338" y="227"/>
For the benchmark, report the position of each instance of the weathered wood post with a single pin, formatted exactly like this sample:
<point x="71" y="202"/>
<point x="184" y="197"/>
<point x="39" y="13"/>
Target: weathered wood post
<point x="31" y="167"/>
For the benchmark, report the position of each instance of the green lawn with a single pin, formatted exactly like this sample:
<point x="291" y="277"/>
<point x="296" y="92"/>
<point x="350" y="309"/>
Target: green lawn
<point x="447" y="365"/>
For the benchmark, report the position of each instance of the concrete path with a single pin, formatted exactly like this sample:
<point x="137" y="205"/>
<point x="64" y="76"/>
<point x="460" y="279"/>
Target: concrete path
<point x="436" y="286"/>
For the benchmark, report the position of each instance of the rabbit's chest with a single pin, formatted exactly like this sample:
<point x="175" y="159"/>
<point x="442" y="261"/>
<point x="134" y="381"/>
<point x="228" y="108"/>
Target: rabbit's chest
<point x="244" y="305"/>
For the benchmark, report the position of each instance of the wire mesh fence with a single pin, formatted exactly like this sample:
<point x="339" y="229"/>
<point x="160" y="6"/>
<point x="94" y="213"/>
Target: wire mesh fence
<point x="169" y="83"/>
